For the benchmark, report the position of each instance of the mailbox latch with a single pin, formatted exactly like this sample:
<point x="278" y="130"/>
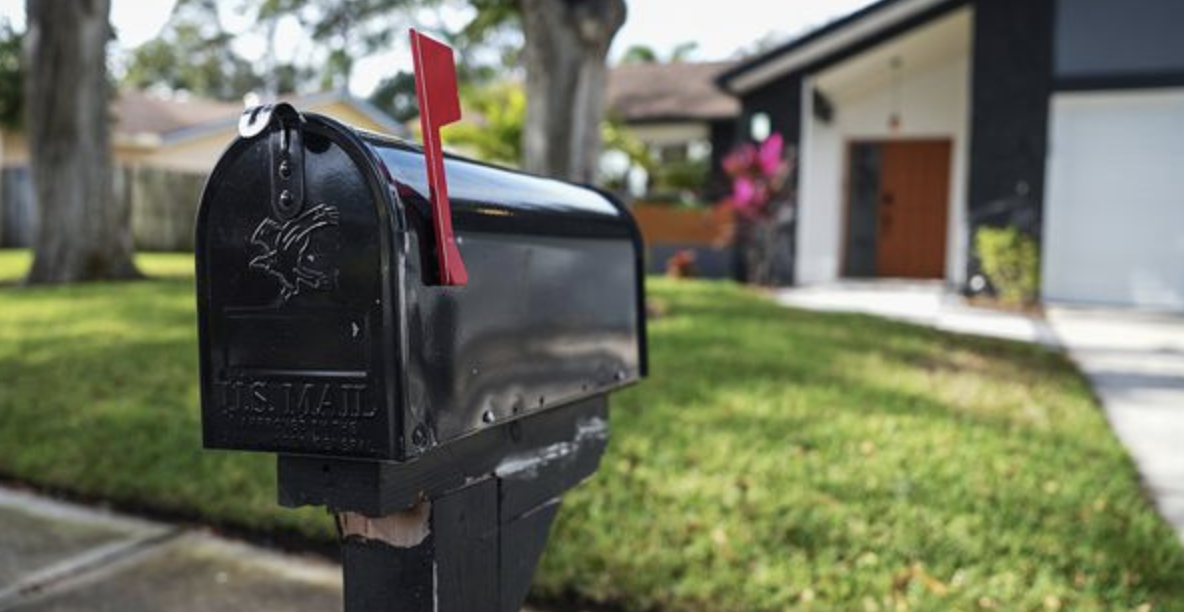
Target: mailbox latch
<point x="286" y="163"/>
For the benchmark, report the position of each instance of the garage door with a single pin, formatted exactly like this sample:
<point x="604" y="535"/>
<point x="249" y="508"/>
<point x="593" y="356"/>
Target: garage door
<point x="1114" y="224"/>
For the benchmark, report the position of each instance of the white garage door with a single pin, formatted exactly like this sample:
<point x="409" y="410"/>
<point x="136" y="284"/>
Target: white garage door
<point x="1114" y="224"/>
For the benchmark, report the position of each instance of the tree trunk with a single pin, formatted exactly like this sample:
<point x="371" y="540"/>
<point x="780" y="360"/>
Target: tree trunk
<point x="84" y="232"/>
<point x="567" y="42"/>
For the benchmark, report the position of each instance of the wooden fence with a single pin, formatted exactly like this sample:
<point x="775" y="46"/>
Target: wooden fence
<point x="667" y="224"/>
<point x="163" y="205"/>
<point x="673" y="230"/>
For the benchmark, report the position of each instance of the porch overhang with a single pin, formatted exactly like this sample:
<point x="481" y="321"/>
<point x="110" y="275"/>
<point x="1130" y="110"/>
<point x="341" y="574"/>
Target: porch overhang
<point x="835" y="42"/>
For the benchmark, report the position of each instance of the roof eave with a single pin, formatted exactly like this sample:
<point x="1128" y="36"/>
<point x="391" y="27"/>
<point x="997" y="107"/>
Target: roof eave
<point x="371" y="112"/>
<point x="654" y="119"/>
<point x="831" y="40"/>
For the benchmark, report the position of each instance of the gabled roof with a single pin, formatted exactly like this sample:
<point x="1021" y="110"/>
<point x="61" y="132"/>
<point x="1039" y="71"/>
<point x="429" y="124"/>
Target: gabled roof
<point x="152" y="120"/>
<point x="834" y="40"/>
<point x="140" y="113"/>
<point x="679" y="91"/>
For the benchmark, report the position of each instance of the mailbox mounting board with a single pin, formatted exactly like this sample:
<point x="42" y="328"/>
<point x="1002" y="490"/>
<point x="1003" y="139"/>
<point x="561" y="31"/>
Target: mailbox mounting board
<point x="322" y="331"/>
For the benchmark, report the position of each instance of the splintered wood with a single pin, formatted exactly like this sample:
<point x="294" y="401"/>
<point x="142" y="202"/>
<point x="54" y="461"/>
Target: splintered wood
<point x="402" y="529"/>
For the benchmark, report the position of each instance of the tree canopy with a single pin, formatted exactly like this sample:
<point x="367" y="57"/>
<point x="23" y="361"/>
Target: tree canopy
<point x="12" y="88"/>
<point x="193" y="54"/>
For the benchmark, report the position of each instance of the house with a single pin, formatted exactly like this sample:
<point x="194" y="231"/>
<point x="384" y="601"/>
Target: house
<point x="166" y="146"/>
<point x="188" y="134"/>
<point x="676" y="111"/>
<point x="919" y="121"/>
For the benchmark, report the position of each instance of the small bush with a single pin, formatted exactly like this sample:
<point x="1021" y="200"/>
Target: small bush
<point x="1011" y="261"/>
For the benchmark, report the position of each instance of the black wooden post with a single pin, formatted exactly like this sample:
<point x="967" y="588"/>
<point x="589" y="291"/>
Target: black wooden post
<point x="449" y="537"/>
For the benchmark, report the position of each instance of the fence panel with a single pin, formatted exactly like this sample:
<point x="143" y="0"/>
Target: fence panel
<point x="18" y="215"/>
<point x="163" y="206"/>
<point x="673" y="231"/>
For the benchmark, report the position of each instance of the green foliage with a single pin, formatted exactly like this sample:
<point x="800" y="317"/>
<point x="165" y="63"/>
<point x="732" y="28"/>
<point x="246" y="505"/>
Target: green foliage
<point x="345" y="30"/>
<point x="490" y="16"/>
<point x="493" y="129"/>
<point x="1011" y="261"/>
<point x="193" y="54"/>
<point x="683" y="51"/>
<point x="685" y="175"/>
<point x="396" y="96"/>
<point x="490" y="44"/>
<point x="616" y="136"/>
<point x="645" y="54"/>
<point x="12" y="75"/>
<point x="774" y="459"/>
<point x="640" y="54"/>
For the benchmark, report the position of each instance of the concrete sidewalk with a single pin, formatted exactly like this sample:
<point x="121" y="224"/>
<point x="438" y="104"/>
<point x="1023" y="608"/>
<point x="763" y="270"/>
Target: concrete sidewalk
<point x="1135" y="362"/>
<point x="922" y="302"/>
<point x="62" y="557"/>
<point x="66" y="558"/>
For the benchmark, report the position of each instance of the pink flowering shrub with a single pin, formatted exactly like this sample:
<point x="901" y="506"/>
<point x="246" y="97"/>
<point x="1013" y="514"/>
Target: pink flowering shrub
<point x="759" y="174"/>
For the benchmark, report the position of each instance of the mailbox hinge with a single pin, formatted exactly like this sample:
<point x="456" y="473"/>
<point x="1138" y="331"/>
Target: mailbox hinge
<point x="286" y="162"/>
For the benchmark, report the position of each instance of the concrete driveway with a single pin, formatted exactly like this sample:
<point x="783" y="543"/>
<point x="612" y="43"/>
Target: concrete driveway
<point x="1135" y="362"/>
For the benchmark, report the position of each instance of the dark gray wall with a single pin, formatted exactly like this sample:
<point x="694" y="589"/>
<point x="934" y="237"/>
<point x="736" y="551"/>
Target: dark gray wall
<point x="1011" y="83"/>
<point x="1097" y="38"/>
<point x="781" y="100"/>
<point x="723" y="139"/>
<point x="863" y="212"/>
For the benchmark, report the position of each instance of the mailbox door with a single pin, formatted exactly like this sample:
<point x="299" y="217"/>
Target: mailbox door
<point x="297" y="352"/>
<point x="552" y="310"/>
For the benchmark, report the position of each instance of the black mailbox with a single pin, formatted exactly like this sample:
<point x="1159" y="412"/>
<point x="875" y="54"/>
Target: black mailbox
<point x="437" y="387"/>
<point x="324" y="330"/>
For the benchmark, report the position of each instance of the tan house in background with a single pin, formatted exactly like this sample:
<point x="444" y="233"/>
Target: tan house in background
<point x="188" y="134"/>
<point x="165" y="147"/>
<point x="677" y="112"/>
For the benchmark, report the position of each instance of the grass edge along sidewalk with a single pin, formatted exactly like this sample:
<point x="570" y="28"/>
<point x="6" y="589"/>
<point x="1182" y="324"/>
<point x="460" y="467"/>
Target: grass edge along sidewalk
<point x="776" y="459"/>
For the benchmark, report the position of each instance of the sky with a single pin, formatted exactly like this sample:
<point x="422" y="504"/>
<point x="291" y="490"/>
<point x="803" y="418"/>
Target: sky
<point x="721" y="29"/>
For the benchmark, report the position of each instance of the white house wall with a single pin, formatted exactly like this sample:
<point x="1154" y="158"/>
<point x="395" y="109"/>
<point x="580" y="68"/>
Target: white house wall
<point x="1114" y="200"/>
<point x="670" y="134"/>
<point x="933" y="104"/>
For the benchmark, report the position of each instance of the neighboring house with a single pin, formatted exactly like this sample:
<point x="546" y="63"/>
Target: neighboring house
<point x="166" y="145"/>
<point x="918" y="121"/>
<point x="189" y="134"/>
<point x="676" y="110"/>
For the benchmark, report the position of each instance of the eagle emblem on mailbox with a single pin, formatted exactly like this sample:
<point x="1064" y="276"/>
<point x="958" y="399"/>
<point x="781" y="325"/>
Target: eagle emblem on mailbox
<point x="287" y="254"/>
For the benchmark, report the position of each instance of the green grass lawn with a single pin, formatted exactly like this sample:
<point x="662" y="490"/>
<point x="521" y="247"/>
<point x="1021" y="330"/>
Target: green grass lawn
<point x="775" y="459"/>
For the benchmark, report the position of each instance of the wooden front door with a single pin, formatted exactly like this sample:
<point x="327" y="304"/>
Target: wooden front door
<point x="913" y="208"/>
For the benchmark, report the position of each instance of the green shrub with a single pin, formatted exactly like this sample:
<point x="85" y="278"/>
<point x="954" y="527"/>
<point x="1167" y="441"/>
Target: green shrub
<point x="1011" y="261"/>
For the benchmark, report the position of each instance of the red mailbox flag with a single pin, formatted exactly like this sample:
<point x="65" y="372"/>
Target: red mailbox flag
<point x="439" y="105"/>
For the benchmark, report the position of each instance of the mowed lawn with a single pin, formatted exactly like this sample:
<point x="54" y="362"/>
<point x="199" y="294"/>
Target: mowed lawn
<point x="775" y="459"/>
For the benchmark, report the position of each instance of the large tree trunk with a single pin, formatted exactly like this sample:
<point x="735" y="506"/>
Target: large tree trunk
<point x="566" y="45"/>
<point x="84" y="232"/>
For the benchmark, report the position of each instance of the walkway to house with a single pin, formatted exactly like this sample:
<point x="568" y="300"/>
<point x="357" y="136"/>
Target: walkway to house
<point x="65" y="558"/>
<point x="1134" y="360"/>
<point x="921" y="302"/>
